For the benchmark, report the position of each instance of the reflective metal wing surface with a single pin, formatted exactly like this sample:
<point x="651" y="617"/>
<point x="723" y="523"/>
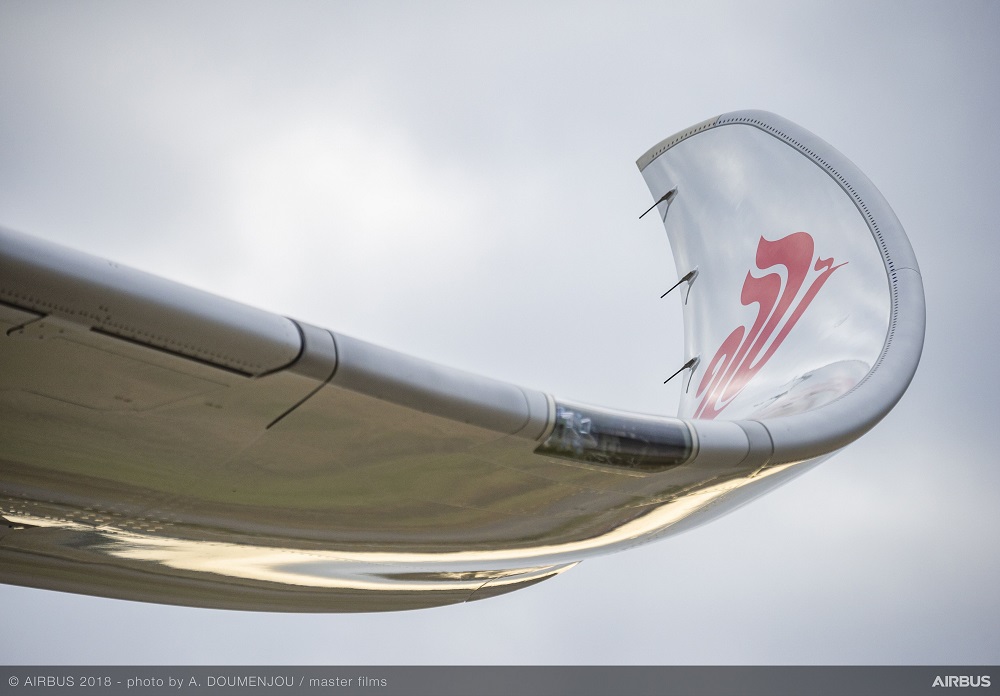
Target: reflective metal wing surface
<point x="161" y="444"/>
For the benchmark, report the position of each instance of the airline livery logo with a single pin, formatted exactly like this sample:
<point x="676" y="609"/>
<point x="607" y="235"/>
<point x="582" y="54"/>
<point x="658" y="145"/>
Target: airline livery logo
<point x="780" y="305"/>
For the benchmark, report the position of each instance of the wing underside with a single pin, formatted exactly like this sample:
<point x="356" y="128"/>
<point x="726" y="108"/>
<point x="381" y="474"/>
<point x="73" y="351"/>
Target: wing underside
<point x="158" y="443"/>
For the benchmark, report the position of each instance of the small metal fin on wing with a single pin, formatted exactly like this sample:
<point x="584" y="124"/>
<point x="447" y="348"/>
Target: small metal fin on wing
<point x="688" y="278"/>
<point x="691" y="364"/>
<point x="667" y="198"/>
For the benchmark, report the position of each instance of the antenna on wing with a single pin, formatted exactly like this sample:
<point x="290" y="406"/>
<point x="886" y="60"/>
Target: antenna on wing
<point x="691" y="364"/>
<point x="688" y="278"/>
<point x="667" y="198"/>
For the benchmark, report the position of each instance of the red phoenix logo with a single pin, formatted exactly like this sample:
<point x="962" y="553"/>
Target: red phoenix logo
<point x="746" y="350"/>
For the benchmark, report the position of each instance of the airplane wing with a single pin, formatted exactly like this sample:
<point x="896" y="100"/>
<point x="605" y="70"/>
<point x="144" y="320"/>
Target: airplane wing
<point x="162" y="444"/>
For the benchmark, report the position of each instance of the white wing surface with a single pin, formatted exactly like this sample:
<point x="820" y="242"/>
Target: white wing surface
<point x="158" y="443"/>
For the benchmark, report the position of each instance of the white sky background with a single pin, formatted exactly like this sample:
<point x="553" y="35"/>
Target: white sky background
<point x="458" y="182"/>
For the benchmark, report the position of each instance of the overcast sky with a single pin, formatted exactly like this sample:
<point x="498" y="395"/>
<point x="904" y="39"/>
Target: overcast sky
<point x="457" y="181"/>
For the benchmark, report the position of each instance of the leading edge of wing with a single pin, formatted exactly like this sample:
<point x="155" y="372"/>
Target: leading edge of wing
<point x="45" y="280"/>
